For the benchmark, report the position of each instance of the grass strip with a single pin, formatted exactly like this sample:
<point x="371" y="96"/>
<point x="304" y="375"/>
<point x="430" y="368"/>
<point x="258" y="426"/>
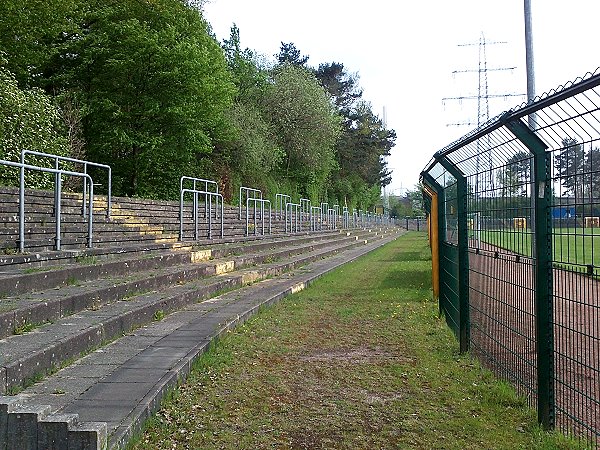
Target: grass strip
<point x="360" y="360"/>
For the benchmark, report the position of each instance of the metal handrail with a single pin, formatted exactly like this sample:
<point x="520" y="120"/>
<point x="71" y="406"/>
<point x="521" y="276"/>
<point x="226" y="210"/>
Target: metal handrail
<point x="262" y="213"/>
<point x="305" y="209"/>
<point x="315" y="219"/>
<point x="57" y="192"/>
<point x="207" y="183"/>
<point x="248" y="191"/>
<point x="331" y="219"/>
<point x="58" y="158"/>
<point x="291" y="206"/>
<point x="346" y="218"/>
<point x="280" y="201"/>
<point x="208" y="196"/>
<point x="336" y="209"/>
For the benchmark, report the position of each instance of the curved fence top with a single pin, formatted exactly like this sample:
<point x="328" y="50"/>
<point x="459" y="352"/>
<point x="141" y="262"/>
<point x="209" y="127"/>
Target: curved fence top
<point x="560" y="117"/>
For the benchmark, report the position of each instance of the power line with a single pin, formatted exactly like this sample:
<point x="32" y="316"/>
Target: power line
<point x="483" y="105"/>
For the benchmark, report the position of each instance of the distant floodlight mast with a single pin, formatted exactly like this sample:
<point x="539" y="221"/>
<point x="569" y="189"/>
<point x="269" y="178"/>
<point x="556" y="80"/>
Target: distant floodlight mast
<point x="529" y="58"/>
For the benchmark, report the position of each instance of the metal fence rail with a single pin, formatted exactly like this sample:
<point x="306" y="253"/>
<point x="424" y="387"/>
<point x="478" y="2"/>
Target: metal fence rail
<point x="208" y="205"/>
<point x="315" y="218"/>
<point x="518" y="230"/>
<point x="280" y="201"/>
<point x="292" y="216"/>
<point x="57" y="159"/>
<point x="255" y="216"/>
<point x="210" y="187"/>
<point x="246" y="193"/>
<point x="57" y="201"/>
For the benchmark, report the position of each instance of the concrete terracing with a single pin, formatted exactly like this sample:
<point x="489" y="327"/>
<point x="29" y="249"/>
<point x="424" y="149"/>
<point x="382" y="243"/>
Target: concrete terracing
<point x="92" y="339"/>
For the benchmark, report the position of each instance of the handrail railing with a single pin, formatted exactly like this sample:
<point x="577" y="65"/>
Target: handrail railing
<point x="57" y="198"/>
<point x="315" y="219"/>
<point x="336" y="209"/>
<point x="331" y="219"/>
<point x="305" y="209"/>
<point x="250" y="193"/>
<point x="207" y="183"/>
<point x="296" y="207"/>
<point x="324" y="218"/>
<point x="280" y="202"/>
<point x="262" y="214"/>
<point x="208" y="196"/>
<point x="58" y="158"/>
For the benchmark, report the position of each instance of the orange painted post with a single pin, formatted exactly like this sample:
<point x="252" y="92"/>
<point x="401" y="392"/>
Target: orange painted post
<point x="434" y="242"/>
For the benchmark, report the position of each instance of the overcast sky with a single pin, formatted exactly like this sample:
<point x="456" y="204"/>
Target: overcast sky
<point x="410" y="56"/>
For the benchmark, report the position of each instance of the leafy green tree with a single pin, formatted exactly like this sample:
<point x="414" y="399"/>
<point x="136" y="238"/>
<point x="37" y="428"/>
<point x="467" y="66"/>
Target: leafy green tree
<point x="306" y="125"/>
<point x="592" y="173"/>
<point x="154" y="89"/>
<point x="364" y="145"/>
<point x="569" y="163"/>
<point x="515" y="174"/>
<point x="251" y="152"/>
<point x="30" y="34"/>
<point x="364" y="142"/>
<point x="342" y="86"/>
<point x="28" y="120"/>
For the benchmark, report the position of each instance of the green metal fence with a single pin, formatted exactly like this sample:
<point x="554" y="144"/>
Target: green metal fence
<point x="519" y="239"/>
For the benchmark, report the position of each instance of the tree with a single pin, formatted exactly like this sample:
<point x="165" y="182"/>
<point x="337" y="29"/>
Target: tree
<point x="154" y="89"/>
<point x="592" y="173"/>
<point x="569" y="163"/>
<point x="28" y="120"/>
<point x="364" y="145"/>
<point x="306" y="126"/>
<point x="515" y="174"/>
<point x="289" y="54"/>
<point x="30" y="32"/>
<point x="342" y="87"/>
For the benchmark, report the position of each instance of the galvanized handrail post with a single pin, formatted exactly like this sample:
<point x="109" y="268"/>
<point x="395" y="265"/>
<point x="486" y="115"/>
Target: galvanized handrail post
<point x="208" y="195"/>
<point x="305" y="209"/>
<point x="262" y="202"/>
<point x="85" y="163"/>
<point x="314" y="218"/>
<point x="249" y="191"/>
<point x="463" y="252"/>
<point x="290" y="206"/>
<point x="280" y="201"/>
<point x="57" y="196"/>
<point x="57" y="191"/>
<point x="543" y="269"/>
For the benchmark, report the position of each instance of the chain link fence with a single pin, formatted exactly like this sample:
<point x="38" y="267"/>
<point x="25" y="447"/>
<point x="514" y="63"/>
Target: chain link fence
<point x="517" y="228"/>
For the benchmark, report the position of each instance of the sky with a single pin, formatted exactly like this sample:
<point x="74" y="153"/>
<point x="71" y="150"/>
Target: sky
<point x="414" y="59"/>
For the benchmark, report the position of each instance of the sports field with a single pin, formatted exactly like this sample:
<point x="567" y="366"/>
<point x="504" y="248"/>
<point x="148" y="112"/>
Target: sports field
<point x="573" y="248"/>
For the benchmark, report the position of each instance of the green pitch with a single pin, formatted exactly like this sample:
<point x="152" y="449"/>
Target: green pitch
<point x="573" y="248"/>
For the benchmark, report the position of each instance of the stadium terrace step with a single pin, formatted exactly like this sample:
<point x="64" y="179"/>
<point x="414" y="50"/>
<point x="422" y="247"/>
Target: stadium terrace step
<point x="102" y="399"/>
<point x="84" y="315"/>
<point x="91" y="339"/>
<point x="39" y="307"/>
<point x="132" y="220"/>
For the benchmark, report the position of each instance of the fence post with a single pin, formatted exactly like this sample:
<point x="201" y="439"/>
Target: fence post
<point x="437" y="229"/>
<point x="543" y="270"/>
<point x="463" y="252"/>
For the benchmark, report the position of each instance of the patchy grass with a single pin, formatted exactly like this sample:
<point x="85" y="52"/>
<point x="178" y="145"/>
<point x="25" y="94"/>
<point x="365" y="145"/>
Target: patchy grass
<point x="360" y="360"/>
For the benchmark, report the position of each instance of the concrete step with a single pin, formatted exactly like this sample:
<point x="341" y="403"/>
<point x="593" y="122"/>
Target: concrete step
<point x="114" y="389"/>
<point x="16" y="280"/>
<point x="120" y="304"/>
